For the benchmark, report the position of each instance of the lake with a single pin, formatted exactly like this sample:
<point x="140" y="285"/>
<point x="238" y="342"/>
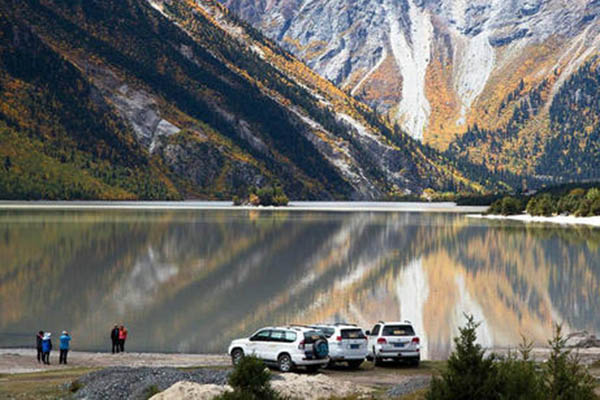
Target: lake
<point x="186" y="279"/>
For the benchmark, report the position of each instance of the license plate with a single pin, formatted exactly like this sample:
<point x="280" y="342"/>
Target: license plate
<point x="355" y="346"/>
<point x="398" y="344"/>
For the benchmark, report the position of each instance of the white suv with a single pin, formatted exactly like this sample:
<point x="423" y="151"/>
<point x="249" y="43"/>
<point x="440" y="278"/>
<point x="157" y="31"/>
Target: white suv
<point x="394" y="341"/>
<point x="286" y="347"/>
<point x="347" y="343"/>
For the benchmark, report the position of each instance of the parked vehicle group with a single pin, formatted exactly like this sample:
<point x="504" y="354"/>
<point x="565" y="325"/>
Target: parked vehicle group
<point x="321" y="345"/>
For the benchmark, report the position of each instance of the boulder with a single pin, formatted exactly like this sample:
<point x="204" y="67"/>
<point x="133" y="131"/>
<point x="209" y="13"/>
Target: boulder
<point x="191" y="391"/>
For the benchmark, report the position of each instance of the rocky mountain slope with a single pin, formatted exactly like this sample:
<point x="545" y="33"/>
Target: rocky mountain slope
<point x="443" y="68"/>
<point x="171" y="99"/>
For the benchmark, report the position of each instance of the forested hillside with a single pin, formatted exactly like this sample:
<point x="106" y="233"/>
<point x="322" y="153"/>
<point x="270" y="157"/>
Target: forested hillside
<point x="558" y="142"/>
<point x="133" y="99"/>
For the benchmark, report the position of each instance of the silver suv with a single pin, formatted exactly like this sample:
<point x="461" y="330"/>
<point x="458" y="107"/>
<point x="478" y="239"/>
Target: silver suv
<point x="395" y="341"/>
<point x="347" y="343"/>
<point x="286" y="347"/>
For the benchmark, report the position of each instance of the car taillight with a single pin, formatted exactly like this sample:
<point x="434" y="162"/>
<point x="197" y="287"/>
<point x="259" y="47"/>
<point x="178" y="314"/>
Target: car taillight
<point x="339" y="338"/>
<point x="301" y="345"/>
<point x="416" y="340"/>
<point x="381" y="341"/>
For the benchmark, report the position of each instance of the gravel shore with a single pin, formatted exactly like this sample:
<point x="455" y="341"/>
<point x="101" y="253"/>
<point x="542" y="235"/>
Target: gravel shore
<point x="138" y="383"/>
<point x="13" y="361"/>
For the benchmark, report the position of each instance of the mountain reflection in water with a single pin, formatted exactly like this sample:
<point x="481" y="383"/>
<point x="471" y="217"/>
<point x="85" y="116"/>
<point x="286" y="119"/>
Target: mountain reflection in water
<point x="190" y="281"/>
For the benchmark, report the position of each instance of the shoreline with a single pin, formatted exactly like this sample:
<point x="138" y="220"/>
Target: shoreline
<point x="526" y="218"/>
<point x="321" y="206"/>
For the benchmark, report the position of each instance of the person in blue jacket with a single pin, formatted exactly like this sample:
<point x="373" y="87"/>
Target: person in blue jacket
<point x="46" y="347"/>
<point x="65" y="340"/>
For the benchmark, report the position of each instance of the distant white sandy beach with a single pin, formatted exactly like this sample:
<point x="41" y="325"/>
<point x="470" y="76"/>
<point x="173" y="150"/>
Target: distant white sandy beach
<point x="559" y="219"/>
<point x="226" y="205"/>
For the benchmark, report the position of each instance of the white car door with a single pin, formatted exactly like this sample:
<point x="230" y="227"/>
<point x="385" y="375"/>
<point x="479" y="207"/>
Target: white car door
<point x="274" y="345"/>
<point x="258" y="342"/>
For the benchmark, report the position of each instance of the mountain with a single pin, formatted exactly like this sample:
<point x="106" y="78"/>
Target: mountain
<point x="491" y="81"/>
<point x="137" y="99"/>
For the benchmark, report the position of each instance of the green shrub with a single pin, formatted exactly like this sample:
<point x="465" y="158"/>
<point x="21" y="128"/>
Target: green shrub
<point x="584" y="208"/>
<point x="251" y="380"/>
<point x="569" y="203"/>
<point x="506" y="206"/>
<point x="151" y="391"/>
<point x="593" y="194"/>
<point x="541" y="205"/>
<point x="520" y="378"/>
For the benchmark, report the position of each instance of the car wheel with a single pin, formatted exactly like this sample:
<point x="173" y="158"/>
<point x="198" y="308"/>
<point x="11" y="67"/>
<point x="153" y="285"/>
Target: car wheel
<point x="355" y="364"/>
<point x="236" y="356"/>
<point x="284" y="362"/>
<point x="415" y="363"/>
<point x="378" y="361"/>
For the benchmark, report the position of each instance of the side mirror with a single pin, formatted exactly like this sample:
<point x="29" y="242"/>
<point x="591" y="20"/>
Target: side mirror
<point x="368" y="333"/>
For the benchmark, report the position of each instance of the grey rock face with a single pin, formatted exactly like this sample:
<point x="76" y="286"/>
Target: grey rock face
<point x="346" y="41"/>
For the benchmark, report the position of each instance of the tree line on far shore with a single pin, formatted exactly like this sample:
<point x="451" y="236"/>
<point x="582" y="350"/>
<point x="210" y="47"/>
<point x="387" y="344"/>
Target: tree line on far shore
<point x="578" y="202"/>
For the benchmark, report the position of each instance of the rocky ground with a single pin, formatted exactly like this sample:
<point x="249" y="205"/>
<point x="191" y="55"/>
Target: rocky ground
<point x="141" y="382"/>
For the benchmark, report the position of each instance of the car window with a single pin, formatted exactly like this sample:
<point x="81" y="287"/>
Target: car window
<point x="289" y="337"/>
<point x="277" y="336"/>
<point x="352" y="334"/>
<point x="375" y="330"/>
<point x="312" y="336"/>
<point x="328" y="332"/>
<point x="398" y="330"/>
<point x="262" y="336"/>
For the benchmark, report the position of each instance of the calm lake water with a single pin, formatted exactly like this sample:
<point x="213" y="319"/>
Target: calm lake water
<point x="185" y="280"/>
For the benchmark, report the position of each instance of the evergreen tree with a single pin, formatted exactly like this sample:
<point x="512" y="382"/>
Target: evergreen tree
<point x="470" y="374"/>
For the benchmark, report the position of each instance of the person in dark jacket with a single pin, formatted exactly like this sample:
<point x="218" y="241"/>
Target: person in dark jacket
<point x="46" y="347"/>
<point x="38" y="344"/>
<point x="65" y="340"/>
<point x="114" y="337"/>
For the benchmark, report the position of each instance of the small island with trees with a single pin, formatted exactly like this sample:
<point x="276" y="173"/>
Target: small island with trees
<point x="265" y="196"/>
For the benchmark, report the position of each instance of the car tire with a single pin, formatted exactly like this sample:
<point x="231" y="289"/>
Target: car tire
<point x="236" y="356"/>
<point x="415" y="363"/>
<point x="378" y="361"/>
<point x="284" y="363"/>
<point x="354" y="364"/>
<point x="321" y="348"/>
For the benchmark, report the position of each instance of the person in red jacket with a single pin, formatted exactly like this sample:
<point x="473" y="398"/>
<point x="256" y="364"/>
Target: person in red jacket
<point x="122" y="338"/>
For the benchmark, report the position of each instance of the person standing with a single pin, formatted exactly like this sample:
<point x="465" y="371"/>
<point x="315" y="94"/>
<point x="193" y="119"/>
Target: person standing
<point x="114" y="337"/>
<point x="122" y="338"/>
<point x="65" y="340"/>
<point x="46" y="347"/>
<point x="38" y="344"/>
